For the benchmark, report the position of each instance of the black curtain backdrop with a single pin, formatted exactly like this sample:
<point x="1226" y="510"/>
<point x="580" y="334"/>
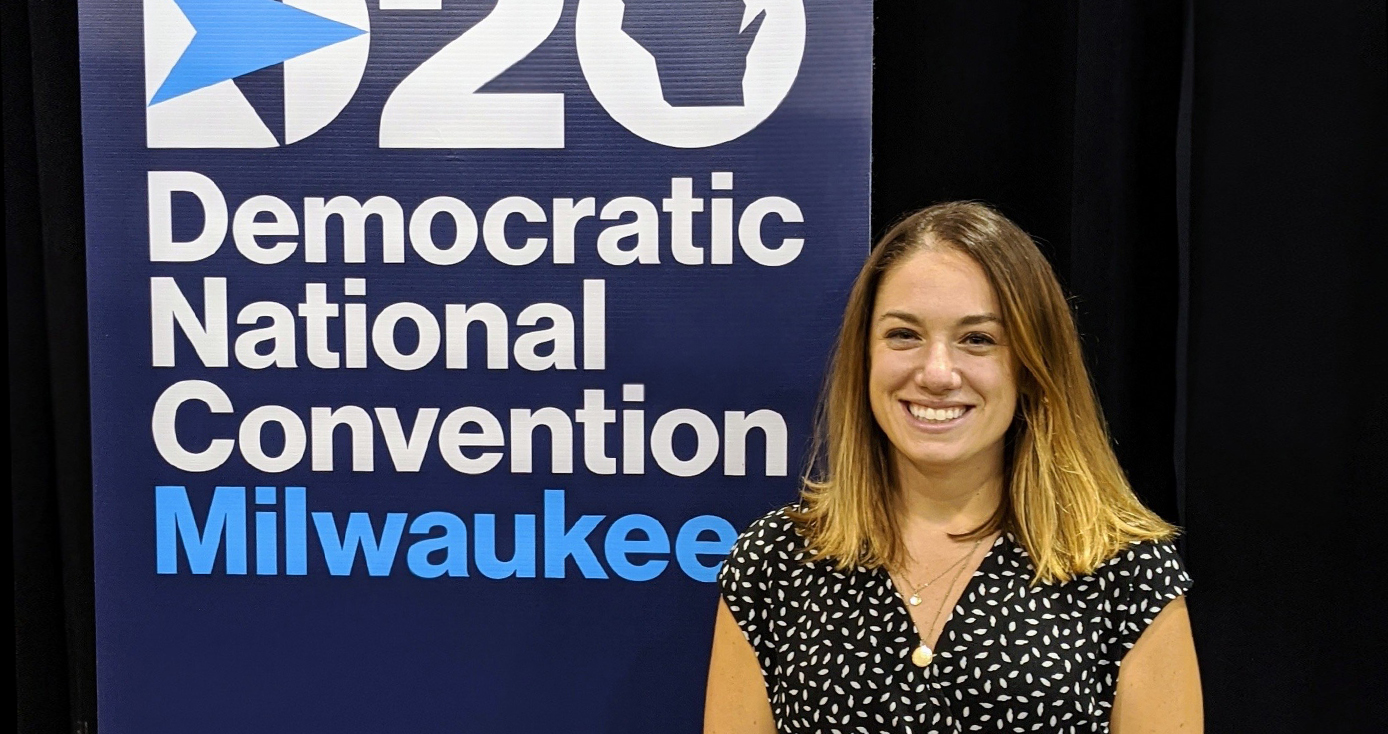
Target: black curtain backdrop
<point x="1210" y="180"/>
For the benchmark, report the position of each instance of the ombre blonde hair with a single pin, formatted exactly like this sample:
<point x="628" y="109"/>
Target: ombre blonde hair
<point x="1066" y="499"/>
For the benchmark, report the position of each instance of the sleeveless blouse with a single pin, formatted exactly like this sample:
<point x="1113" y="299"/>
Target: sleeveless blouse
<point x="835" y="647"/>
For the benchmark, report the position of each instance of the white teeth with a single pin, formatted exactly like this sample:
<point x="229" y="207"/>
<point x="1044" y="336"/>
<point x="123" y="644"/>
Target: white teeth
<point x="938" y="415"/>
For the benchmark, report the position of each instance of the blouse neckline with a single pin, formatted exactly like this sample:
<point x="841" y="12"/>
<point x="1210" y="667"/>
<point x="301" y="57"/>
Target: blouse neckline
<point x="946" y="633"/>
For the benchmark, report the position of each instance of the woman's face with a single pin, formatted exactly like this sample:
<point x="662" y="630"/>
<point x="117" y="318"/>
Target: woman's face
<point x="942" y="380"/>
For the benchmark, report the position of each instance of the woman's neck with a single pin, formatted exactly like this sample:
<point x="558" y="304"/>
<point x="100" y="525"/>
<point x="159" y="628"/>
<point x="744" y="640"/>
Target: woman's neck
<point x="954" y="499"/>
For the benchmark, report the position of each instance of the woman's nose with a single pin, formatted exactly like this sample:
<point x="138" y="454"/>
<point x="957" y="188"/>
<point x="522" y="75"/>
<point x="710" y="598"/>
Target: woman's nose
<point x="938" y="374"/>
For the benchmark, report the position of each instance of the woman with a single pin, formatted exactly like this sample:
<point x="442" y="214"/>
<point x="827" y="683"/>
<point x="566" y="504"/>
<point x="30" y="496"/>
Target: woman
<point x="962" y="465"/>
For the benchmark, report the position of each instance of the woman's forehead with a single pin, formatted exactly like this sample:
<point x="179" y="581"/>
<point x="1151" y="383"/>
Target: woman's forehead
<point x="936" y="281"/>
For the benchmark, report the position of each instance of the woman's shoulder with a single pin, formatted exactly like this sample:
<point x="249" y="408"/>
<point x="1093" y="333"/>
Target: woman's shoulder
<point x="755" y="576"/>
<point x="1146" y="562"/>
<point x="766" y="548"/>
<point x="1141" y="579"/>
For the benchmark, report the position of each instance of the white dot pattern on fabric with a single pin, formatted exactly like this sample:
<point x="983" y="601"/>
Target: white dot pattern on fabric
<point x="835" y="647"/>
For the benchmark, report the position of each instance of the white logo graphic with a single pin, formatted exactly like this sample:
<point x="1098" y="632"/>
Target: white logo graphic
<point x="625" y="77"/>
<point x="194" y="49"/>
<point x="439" y="104"/>
<point x="650" y="64"/>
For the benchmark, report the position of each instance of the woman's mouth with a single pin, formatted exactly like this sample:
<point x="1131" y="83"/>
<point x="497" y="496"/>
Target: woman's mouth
<point x="936" y="418"/>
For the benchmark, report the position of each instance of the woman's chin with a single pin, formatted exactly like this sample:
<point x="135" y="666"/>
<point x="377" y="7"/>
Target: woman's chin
<point x="940" y="459"/>
<point x="935" y="462"/>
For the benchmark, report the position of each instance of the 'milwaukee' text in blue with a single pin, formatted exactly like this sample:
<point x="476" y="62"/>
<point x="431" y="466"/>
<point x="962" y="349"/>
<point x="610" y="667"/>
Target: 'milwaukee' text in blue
<point x="435" y="544"/>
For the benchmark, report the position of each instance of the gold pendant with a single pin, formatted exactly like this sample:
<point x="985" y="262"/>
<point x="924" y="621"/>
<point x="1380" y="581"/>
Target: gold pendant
<point x="922" y="655"/>
<point x="914" y="600"/>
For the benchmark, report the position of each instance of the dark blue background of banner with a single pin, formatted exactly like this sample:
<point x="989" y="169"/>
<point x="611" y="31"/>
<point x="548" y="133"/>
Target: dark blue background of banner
<point x="218" y="653"/>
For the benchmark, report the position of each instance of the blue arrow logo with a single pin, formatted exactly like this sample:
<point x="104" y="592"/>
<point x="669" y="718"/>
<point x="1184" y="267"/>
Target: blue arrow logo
<point x="236" y="37"/>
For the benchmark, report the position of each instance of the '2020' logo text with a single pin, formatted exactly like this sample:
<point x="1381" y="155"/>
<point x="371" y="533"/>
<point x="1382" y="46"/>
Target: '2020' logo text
<point x="640" y="59"/>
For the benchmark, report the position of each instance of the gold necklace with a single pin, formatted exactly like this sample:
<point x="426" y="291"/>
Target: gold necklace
<point x="915" y="599"/>
<point x="923" y="655"/>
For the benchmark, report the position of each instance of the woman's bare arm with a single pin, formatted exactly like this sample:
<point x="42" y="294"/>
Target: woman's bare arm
<point x="1158" y="681"/>
<point x="736" y="701"/>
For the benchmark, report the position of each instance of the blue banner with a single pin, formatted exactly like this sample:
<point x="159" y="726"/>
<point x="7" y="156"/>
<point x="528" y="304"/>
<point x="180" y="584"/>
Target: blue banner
<point x="441" y="349"/>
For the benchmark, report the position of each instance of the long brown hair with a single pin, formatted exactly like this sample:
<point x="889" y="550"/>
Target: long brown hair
<point x="1066" y="499"/>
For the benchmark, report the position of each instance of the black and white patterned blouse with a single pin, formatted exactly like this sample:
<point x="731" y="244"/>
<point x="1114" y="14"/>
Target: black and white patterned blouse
<point x="835" y="647"/>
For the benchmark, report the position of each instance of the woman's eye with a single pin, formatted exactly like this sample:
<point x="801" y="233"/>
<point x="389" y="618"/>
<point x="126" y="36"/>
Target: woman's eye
<point x="900" y="334"/>
<point x="979" y="340"/>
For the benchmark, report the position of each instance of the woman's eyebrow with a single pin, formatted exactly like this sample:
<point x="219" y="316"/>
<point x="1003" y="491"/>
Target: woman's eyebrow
<point x="971" y="320"/>
<point x="902" y="315"/>
<point x="980" y="318"/>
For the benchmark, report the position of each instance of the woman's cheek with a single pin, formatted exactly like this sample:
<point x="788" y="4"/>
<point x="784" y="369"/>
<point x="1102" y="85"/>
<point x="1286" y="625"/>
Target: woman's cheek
<point x="890" y="369"/>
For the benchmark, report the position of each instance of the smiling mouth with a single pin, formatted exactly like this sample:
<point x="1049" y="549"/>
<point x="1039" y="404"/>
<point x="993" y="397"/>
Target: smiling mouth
<point x="936" y="416"/>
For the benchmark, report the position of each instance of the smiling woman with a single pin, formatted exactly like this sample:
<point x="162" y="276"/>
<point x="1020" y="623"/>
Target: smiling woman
<point x="962" y="463"/>
<point x="941" y="385"/>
